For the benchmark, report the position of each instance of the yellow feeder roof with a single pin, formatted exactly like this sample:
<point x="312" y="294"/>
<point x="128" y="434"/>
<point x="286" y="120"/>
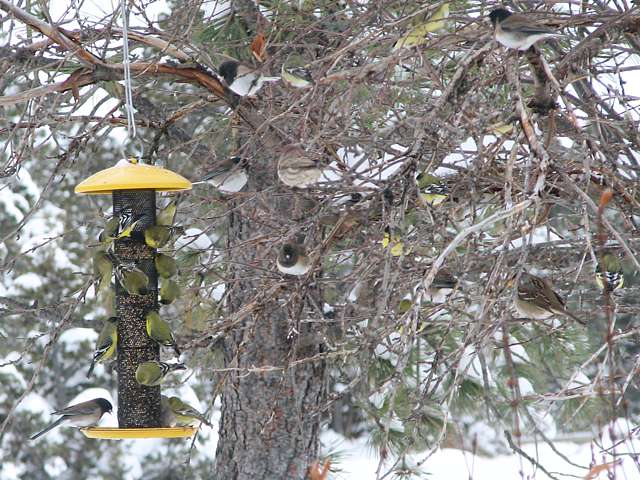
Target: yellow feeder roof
<point x="133" y="176"/>
<point x="114" y="433"/>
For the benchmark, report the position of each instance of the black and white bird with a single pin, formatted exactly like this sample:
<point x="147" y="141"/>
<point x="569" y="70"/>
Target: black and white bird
<point x="241" y="79"/>
<point x="228" y="175"/>
<point x="518" y="31"/>
<point x="84" y="414"/>
<point x="293" y="259"/>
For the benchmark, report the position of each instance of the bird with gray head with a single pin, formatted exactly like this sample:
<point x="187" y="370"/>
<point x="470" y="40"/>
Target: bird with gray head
<point x="296" y="168"/>
<point x="84" y="414"/>
<point x="518" y="31"/>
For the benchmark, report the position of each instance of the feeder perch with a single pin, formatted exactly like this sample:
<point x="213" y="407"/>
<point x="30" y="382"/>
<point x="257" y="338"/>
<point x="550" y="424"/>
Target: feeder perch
<point x="133" y="188"/>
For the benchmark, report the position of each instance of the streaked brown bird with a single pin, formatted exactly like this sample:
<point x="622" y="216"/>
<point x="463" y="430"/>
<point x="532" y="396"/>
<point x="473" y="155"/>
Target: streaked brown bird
<point x="296" y="168"/>
<point x="536" y="299"/>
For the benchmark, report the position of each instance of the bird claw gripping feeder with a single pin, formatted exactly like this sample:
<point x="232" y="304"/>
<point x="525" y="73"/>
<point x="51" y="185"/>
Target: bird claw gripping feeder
<point x="133" y="187"/>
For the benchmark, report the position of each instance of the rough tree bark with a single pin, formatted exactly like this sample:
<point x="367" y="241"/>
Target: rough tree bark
<point x="270" y="419"/>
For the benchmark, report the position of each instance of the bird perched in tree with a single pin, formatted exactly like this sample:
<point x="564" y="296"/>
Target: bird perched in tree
<point x="106" y="344"/>
<point x="184" y="415"/>
<point x="298" y="77"/>
<point x="443" y="284"/>
<point x="130" y="277"/>
<point x="293" y="260"/>
<point x="609" y="275"/>
<point x="84" y="414"/>
<point x="242" y="79"/>
<point x="169" y="291"/>
<point x="518" y="31"/>
<point x="153" y="373"/>
<point x="160" y="332"/>
<point x="536" y="299"/>
<point x="229" y="175"/>
<point x="167" y="215"/>
<point x="432" y="189"/>
<point x="296" y="168"/>
<point x="165" y="265"/>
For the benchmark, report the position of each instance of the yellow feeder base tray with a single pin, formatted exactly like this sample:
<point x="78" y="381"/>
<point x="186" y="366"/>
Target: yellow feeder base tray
<point x="114" y="433"/>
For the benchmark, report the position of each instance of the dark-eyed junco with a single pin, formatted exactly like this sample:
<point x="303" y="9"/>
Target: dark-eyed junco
<point x="296" y="168"/>
<point x="84" y="414"/>
<point x="293" y="259"/>
<point x="517" y="30"/>
<point x="536" y="299"/>
<point x="443" y="284"/>
<point x="106" y="344"/>
<point x="229" y="175"/>
<point x="242" y="79"/>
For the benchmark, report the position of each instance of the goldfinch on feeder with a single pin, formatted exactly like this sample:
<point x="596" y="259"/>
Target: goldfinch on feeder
<point x="296" y="168"/>
<point x="165" y="265"/>
<point x="169" y="291"/>
<point x="536" y="299"/>
<point x="132" y="279"/>
<point x="160" y="332"/>
<point x="157" y="236"/>
<point x="84" y="414"/>
<point x="293" y="260"/>
<point x="106" y="344"/>
<point x="433" y="190"/>
<point x="153" y="373"/>
<point x="167" y="215"/>
<point x="609" y="274"/>
<point x="119" y="226"/>
<point x="102" y="270"/>
<point x="185" y="415"/>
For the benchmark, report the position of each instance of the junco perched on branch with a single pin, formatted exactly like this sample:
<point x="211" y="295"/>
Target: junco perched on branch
<point x="229" y="175"/>
<point x="241" y="79"/>
<point x="518" y="31"/>
<point x="84" y="414"/>
<point x="293" y="259"/>
<point x="296" y="168"/>
<point x="443" y="284"/>
<point x="536" y="299"/>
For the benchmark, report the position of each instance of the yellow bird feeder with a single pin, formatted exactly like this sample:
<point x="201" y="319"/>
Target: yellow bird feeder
<point x="133" y="187"/>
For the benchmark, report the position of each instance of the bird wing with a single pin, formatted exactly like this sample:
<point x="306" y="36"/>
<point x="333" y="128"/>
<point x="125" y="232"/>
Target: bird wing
<point x="517" y="24"/>
<point x="84" y="408"/>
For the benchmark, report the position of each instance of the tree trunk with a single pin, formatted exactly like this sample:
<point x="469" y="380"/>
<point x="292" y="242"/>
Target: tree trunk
<point x="271" y="418"/>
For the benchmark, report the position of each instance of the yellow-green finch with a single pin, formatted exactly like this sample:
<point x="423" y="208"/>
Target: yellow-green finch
<point x="536" y="299"/>
<point x="132" y="279"/>
<point x="169" y="291"/>
<point x="118" y="226"/>
<point x="153" y="373"/>
<point x="609" y="275"/>
<point x="296" y="168"/>
<point x="160" y="332"/>
<point x="166" y="216"/>
<point x="102" y="270"/>
<point x="84" y="414"/>
<point x="293" y="259"/>
<point x="165" y="265"/>
<point x="432" y="189"/>
<point x="298" y="77"/>
<point x="185" y="415"/>
<point x="157" y="236"/>
<point x="106" y="344"/>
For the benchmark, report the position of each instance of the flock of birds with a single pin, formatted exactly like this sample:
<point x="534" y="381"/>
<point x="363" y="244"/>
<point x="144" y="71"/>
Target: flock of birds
<point x="296" y="168"/>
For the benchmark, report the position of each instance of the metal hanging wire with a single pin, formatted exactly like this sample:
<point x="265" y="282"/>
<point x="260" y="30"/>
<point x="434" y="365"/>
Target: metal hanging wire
<point x="126" y="64"/>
